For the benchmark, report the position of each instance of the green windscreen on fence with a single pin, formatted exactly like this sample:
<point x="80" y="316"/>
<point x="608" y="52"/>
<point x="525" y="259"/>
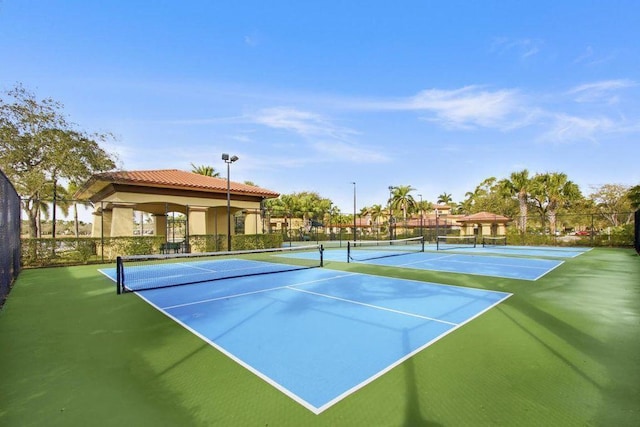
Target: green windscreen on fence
<point x="9" y="236"/>
<point x="637" y="234"/>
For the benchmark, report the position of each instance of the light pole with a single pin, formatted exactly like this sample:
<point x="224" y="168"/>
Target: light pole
<point x="354" y="211"/>
<point x="330" y="230"/>
<point x="420" y="214"/>
<point x="391" y="187"/>
<point x="228" y="160"/>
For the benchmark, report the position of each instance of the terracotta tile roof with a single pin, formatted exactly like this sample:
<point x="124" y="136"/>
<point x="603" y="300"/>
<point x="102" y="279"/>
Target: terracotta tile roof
<point x="174" y="178"/>
<point x="484" y="216"/>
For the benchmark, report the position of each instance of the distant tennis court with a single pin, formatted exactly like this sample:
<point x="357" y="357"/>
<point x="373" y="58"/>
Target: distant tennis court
<point x="317" y="335"/>
<point x="534" y="251"/>
<point x="495" y="266"/>
<point x="445" y="261"/>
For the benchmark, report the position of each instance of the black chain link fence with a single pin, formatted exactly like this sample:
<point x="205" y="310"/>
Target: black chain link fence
<point x="9" y="236"/>
<point x="637" y="236"/>
<point x="85" y="242"/>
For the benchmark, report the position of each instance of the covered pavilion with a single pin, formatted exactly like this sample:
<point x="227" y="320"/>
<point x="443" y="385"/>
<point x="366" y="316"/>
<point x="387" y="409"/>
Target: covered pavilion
<point x="483" y="224"/>
<point x="202" y="199"/>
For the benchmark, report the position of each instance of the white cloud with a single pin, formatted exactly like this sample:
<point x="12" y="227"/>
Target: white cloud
<point x="524" y="48"/>
<point x="590" y="58"/>
<point x="568" y="128"/>
<point x="467" y="107"/>
<point x="326" y="142"/>
<point x="602" y="91"/>
<point x="301" y="122"/>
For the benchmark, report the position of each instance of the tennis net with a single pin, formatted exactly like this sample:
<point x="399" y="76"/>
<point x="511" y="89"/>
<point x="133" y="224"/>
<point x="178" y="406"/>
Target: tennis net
<point x="364" y="250"/>
<point x="492" y="241"/>
<point x="455" y="242"/>
<point x="143" y="272"/>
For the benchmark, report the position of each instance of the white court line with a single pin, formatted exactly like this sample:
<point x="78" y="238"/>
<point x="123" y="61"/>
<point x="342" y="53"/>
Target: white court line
<point x="299" y="399"/>
<point x="406" y="357"/>
<point x="497" y="264"/>
<point x="195" y="267"/>
<point x="213" y="270"/>
<point x="204" y="301"/>
<point x="375" y="306"/>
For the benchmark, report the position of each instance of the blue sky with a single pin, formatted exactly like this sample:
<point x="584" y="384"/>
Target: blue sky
<point x="313" y="96"/>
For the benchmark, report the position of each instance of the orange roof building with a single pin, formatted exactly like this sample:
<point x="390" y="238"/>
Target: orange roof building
<point x="203" y="199"/>
<point x="487" y="223"/>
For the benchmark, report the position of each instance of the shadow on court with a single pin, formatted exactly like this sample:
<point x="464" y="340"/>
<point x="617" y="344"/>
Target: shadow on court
<point x="569" y="334"/>
<point x="413" y="414"/>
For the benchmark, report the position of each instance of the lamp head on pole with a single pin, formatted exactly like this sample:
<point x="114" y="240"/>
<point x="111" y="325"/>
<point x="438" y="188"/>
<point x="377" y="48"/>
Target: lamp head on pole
<point x="228" y="159"/>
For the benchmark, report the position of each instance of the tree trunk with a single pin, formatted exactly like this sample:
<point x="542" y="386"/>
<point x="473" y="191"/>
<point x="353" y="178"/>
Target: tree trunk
<point x="75" y="220"/>
<point x="523" y="214"/>
<point x="53" y="222"/>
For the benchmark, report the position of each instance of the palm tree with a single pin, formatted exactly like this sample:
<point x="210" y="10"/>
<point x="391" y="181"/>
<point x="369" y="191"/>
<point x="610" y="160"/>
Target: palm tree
<point x="71" y="189"/>
<point x="472" y="198"/>
<point x="377" y="212"/>
<point x="61" y="201"/>
<point x="402" y="200"/>
<point x="205" y="170"/>
<point x="424" y="206"/>
<point x="517" y="185"/>
<point x="551" y="191"/>
<point x="634" y="196"/>
<point x="445" y="199"/>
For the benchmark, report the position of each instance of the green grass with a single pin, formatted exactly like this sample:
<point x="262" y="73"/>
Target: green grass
<point x="562" y="351"/>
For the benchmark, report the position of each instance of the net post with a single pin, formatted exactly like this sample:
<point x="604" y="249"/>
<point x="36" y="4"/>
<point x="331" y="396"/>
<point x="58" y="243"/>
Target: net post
<point x="422" y="244"/>
<point x="348" y="252"/>
<point x="119" y="274"/>
<point x="321" y="255"/>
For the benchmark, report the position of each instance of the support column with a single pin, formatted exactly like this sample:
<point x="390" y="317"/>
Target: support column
<point x="122" y="220"/>
<point x="160" y="224"/>
<point x="502" y="230"/>
<point x="197" y="220"/>
<point x="96" y="225"/>
<point x="217" y="221"/>
<point x="107" y="220"/>
<point x="253" y="222"/>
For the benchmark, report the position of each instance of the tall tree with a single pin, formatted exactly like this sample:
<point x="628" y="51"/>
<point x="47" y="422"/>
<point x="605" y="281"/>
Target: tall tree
<point x="402" y="200"/>
<point x="38" y="148"/>
<point x="517" y="185"/>
<point x="551" y="191"/>
<point x="445" y="198"/>
<point x="477" y="200"/>
<point x="71" y="189"/>
<point x="306" y="205"/>
<point x="377" y="213"/>
<point x="488" y="196"/>
<point x="205" y="170"/>
<point x="423" y="206"/>
<point x="634" y="196"/>
<point x="612" y="202"/>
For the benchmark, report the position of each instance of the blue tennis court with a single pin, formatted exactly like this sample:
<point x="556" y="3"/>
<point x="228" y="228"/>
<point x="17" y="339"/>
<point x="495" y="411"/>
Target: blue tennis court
<point x="535" y="251"/>
<point x="319" y="335"/>
<point x="450" y="262"/>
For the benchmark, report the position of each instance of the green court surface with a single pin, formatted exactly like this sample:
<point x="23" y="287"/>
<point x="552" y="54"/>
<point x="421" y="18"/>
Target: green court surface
<point x="562" y="351"/>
